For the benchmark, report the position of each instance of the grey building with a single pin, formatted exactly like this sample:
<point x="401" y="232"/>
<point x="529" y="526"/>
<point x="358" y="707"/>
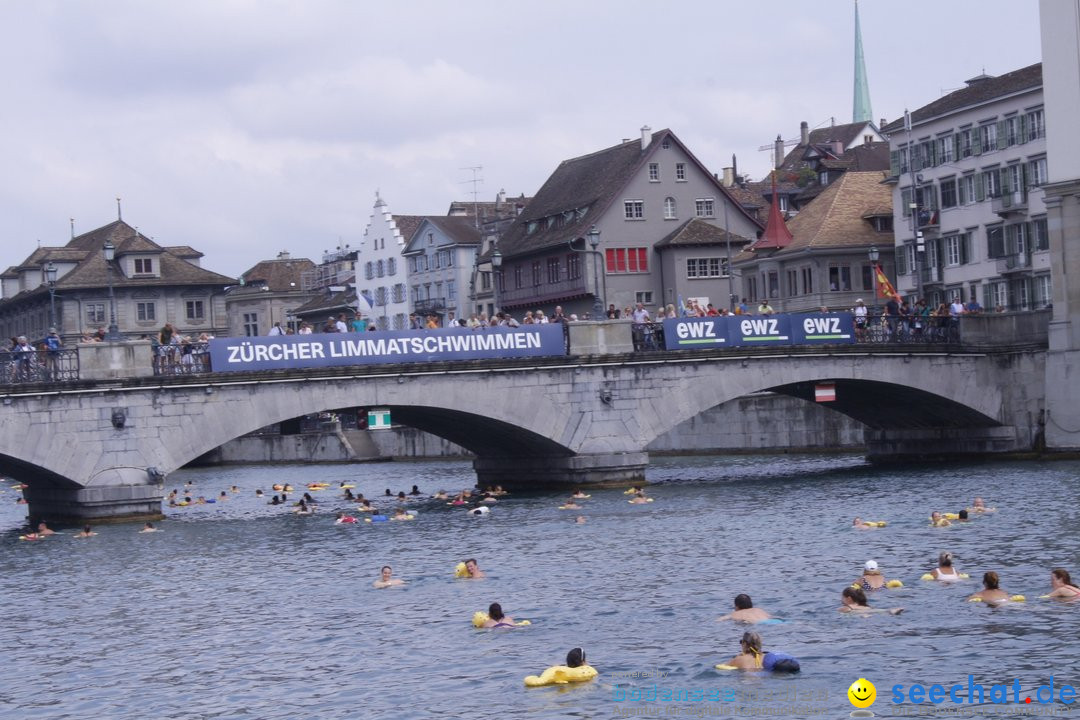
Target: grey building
<point x="973" y="164"/>
<point x="268" y="294"/>
<point x="440" y="258"/>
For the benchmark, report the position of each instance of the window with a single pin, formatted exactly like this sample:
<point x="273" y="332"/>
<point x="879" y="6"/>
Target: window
<point x="988" y="137"/>
<point x="451" y="290"/>
<point x="634" y="209"/>
<point x="485" y="280"/>
<point x="1042" y="234"/>
<point x="807" y="280"/>
<point x="966" y="194"/>
<point x="369" y="268"/>
<point x="431" y="238"/>
<point x="447" y="258"/>
<point x="380" y="268"/>
<point x="905" y="201"/>
<point x="706" y="267"/>
<point x="95" y="313"/>
<point x="867" y="272"/>
<point x="553" y="266"/>
<point x="948" y="193"/>
<point x="144" y="266"/>
<point x="251" y="324"/>
<point x="537" y="276"/>
<point x="144" y="312"/>
<point x="194" y="309"/>
<point x="1012" y="130"/>
<point x="654" y="172"/>
<point x="1043" y="292"/>
<point x="792" y="283"/>
<point x="519" y="276"/>
<point x="680" y="172"/>
<point x="703" y="207"/>
<point x="436" y="260"/>
<point x="945" y="149"/>
<point x="965" y="143"/>
<point x="785" y="203"/>
<point x="991" y="183"/>
<point x="627" y="260"/>
<point x="839" y="278"/>
<point x="391" y="266"/>
<point x="953" y="250"/>
<point x="1036" y="174"/>
<point x="643" y="296"/>
<point x="669" y="208"/>
<point x="1035" y="127"/>
<point x="416" y="293"/>
<point x="573" y="266"/>
<point x="995" y="242"/>
<point x="902" y="259"/>
<point x="774" y="284"/>
<point x="1016" y="239"/>
<point x="750" y="287"/>
<point x="381" y="296"/>
<point x="398" y="293"/>
<point x="399" y="321"/>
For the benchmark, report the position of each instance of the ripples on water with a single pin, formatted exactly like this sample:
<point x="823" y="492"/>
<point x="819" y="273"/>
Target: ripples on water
<point x="241" y="609"/>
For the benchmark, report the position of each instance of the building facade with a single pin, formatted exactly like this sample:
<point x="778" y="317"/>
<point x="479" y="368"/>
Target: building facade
<point x="381" y="274"/>
<point x="268" y="294"/>
<point x="634" y="195"/>
<point x="968" y="205"/>
<point x="150" y="285"/>
<point x="440" y="259"/>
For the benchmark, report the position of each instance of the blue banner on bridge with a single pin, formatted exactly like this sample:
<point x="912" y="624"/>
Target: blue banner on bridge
<point x="748" y="330"/>
<point x="282" y="352"/>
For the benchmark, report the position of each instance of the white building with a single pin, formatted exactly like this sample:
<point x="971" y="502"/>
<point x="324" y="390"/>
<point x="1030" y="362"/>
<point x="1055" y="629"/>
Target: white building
<point x="973" y="163"/>
<point x="380" y="270"/>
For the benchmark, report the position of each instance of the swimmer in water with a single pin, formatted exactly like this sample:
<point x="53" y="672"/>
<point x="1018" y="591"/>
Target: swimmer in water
<point x="223" y="496"/>
<point x="979" y="506"/>
<point x="570" y="505"/>
<point x="579" y="494"/>
<point x="415" y="491"/>
<point x="991" y="592"/>
<point x="936" y="520"/>
<point x="945" y="572"/>
<point x="858" y="524"/>
<point x="750" y="655"/>
<point x="639" y="498"/>
<point x="962" y="516"/>
<point x="1062" y="585"/>
<point x="275" y="501"/>
<point x="401" y="496"/>
<point x="344" y="519"/>
<point x="388" y="493"/>
<point x="85" y="532"/>
<point x="745" y="611"/>
<point x="366" y="506"/>
<point x="400" y="514"/>
<point x="302" y="508"/>
<point x="43" y="530"/>
<point x="853" y="600"/>
<point x="473" y="569"/>
<point x="235" y="489"/>
<point x="386" y="578"/>
<point x="441" y="495"/>
<point x="871" y="579"/>
<point x="258" y="492"/>
<point x="579" y="520"/>
<point x="148" y="527"/>
<point x="496" y="619"/>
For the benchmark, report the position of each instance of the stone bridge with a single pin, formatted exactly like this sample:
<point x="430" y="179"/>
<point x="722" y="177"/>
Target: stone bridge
<point x="102" y="449"/>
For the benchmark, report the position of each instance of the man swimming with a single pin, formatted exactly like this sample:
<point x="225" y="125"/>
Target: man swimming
<point x="745" y="611"/>
<point x="386" y="578"/>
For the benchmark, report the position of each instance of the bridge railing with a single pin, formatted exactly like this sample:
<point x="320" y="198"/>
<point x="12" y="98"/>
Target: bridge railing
<point x="182" y="359"/>
<point x="39" y="366"/>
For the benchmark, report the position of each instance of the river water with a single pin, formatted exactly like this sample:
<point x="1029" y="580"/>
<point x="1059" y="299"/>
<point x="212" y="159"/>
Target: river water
<point x="239" y="609"/>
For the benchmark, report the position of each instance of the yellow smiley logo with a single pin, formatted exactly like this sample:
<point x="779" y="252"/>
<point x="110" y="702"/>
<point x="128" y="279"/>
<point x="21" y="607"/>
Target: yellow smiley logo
<point x="862" y="693"/>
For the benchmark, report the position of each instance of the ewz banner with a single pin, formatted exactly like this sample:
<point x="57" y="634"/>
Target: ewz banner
<point x="759" y="330"/>
<point x="282" y="352"/>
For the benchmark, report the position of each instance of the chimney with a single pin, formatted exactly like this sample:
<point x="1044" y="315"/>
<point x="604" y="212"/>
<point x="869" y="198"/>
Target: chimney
<point x="778" y="152"/>
<point x="882" y="124"/>
<point x="646" y="136"/>
<point x="500" y="198"/>
<point x="729" y="177"/>
<point x="804" y="133"/>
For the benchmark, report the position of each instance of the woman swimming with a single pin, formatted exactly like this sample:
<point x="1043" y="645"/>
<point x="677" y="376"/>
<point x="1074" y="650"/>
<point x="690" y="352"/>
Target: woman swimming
<point x="853" y="600"/>
<point x="936" y="520"/>
<point x="991" y="592"/>
<point x="386" y="578"/>
<point x="496" y="618"/>
<point x="639" y="498"/>
<point x="945" y="572"/>
<point x="1062" y="585"/>
<point x="85" y="533"/>
<point x="751" y="657"/>
<point x="871" y="579"/>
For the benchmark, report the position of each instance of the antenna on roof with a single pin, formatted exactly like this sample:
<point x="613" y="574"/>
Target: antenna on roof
<point x="476" y="180"/>
<point x="119" y="215"/>
<point x="72" y="228"/>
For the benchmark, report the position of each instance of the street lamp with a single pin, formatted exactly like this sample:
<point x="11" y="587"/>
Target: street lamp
<point x="873" y="253"/>
<point x="113" y="335"/>
<point x="50" y="278"/>
<point x="496" y="264"/>
<point x="598" y="301"/>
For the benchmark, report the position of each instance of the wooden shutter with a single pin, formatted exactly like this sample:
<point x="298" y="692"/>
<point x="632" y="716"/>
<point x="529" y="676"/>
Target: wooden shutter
<point x="1002" y="137"/>
<point x="894" y="163"/>
<point x="980" y="187"/>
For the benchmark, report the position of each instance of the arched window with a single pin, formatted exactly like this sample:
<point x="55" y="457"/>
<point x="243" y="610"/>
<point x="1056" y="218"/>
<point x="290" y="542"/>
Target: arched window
<point x="391" y="266"/>
<point x="669" y="208"/>
<point x="369" y="270"/>
<point x="380" y="268"/>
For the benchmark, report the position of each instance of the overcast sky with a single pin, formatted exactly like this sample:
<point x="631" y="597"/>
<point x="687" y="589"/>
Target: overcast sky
<point x="246" y="128"/>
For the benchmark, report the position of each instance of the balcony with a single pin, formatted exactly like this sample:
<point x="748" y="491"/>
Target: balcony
<point x="929" y="220"/>
<point x="430" y="305"/>
<point x="545" y="292"/>
<point x="1009" y="204"/>
<point x="1017" y="262"/>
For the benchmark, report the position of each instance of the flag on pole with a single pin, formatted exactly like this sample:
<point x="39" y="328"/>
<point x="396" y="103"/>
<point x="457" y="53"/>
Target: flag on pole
<point x="683" y="312"/>
<point x="884" y="287"/>
<point x="364" y="303"/>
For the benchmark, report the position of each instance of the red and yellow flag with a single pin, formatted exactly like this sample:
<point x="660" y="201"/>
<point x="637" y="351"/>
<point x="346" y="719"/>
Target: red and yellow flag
<point x="884" y="287"/>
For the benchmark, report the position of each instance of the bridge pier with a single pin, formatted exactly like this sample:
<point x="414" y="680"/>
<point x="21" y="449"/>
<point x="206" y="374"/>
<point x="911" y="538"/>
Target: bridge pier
<point x="534" y="473"/>
<point x="942" y="443"/>
<point x="129" y="500"/>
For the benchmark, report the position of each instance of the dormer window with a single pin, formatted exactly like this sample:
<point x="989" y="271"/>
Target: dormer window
<point x="144" y="266"/>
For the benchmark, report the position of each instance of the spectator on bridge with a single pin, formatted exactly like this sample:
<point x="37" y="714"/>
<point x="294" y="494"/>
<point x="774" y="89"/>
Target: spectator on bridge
<point x="358" y="324"/>
<point x="541" y="319"/>
<point x="612" y="312"/>
<point x="742" y="308"/>
<point x="920" y="318"/>
<point x="528" y="319"/>
<point x="432" y="322"/>
<point x="641" y="315"/>
<point x="340" y="323"/>
<point x="956" y="308"/>
<point x="765" y="308"/>
<point x="100" y="335"/>
<point x="276" y="330"/>
<point x="669" y="312"/>
<point x="860" y="312"/>
<point x="973" y="307"/>
<point x="558" y="316"/>
<point x="711" y="311"/>
<point x="305" y="329"/>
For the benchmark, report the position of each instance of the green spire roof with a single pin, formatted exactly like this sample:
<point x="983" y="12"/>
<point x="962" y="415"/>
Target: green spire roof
<point x="861" y="111"/>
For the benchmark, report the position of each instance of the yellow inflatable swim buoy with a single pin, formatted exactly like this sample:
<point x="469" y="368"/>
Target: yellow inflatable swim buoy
<point x="893" y="584"/>
<point x="561" y="675"/>
<point x="927" y="576"/>
<point x="480" y="617"/>
<point x="876" y="523"/>
<point x="722" y="666"/>
<point x="951" y="516"/>
<point x="460" y="571"/>
<point x="1018" y="598"/>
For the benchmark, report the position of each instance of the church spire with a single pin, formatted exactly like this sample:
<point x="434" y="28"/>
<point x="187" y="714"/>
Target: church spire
<point x="861" y="111"/>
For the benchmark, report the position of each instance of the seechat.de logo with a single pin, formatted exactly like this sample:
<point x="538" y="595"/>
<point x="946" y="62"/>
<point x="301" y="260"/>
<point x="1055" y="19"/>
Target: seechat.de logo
<point x="862" y="695"/>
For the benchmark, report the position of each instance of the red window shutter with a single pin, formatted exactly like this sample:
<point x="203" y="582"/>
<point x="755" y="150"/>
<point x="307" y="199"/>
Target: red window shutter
<point x="620" y="260"/>
<point x="643" y="259"/>
<point x="610" y="254"/>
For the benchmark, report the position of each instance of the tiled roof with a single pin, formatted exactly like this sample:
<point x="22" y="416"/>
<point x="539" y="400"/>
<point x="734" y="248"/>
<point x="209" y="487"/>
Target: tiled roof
<point x="698" y="233"/>
<point x="488" y="210"/>
<point x="184" y="251"/>
<point x="836" y="218"/>
<point x="279" y="275"/>
<point x="978" y="92"/>
<point x="327" y="302"/>
<point x="407" y="225"/>
<point x="461" y="230"/>
<point x="589" y="183"/>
